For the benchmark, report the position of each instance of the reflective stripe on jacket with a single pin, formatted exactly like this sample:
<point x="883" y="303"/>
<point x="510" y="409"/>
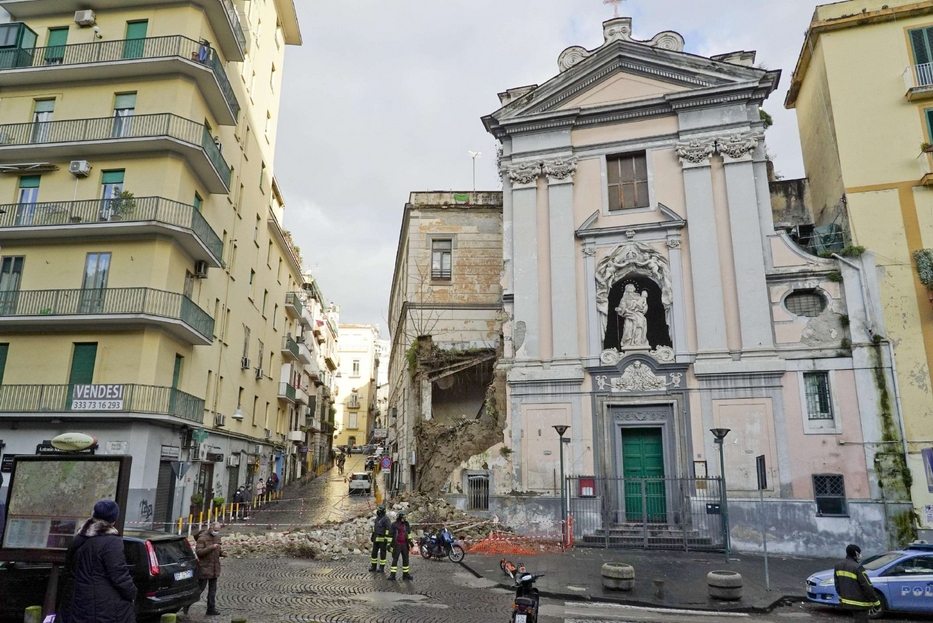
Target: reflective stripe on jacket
<point x="853" y="586"/>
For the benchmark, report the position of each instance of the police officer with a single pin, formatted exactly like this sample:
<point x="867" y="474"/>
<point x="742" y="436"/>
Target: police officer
<point x="853" y="586"/>
<point x="400" y="542"/>
<point x="380" y="539"/>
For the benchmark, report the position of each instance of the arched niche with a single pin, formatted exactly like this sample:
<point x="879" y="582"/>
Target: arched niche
<point x="658" y="332"/>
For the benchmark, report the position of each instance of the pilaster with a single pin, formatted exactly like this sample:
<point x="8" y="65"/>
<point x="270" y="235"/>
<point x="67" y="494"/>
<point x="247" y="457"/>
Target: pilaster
<point x="526" y="326"/>
<point x="563" y="262"/>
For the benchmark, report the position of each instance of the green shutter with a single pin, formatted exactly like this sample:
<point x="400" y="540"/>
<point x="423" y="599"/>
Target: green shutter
<point x="29" y="181"/>
<point x="45" y="105"/>
<point x="113" y="177"/>
<point x="134" y="47"/>
<point x="55" y="51"/>
<point x="197" y="202"/>
<point x="921" y="40"/>
<point x="176" y="373"/>
<point x="4" y="348"/>
<point x="124" y="101"/>
<point x="82" y="364"/>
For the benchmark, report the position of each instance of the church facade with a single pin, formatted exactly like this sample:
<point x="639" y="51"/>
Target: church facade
<point x="650" y="299"/>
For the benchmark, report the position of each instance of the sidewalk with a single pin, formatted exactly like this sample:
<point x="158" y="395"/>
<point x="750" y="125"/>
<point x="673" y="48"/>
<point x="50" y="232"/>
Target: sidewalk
<point x="575" y="575"/>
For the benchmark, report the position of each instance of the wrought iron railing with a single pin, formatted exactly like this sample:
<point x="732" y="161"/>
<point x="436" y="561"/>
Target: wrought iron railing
<point x="118" y="128"/>
<point x="292" y="299"/>
<point x="104" y="302"/>
<point x="238" y="31"/>
<point x="157" y="209"/>
<point x="918" y="76"/>
<point x="136" y="399"/>
<point x="126" y="50"/>
<point x="287" y="391"/>
<point x="290" y="345"/>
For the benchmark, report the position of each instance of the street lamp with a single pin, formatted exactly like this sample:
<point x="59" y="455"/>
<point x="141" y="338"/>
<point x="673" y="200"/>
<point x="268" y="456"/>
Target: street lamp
<point x="719" y="435"/>
<point x="561" y="429"/>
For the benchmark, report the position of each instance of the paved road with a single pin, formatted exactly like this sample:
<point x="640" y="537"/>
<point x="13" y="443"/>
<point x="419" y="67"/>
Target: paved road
<point x="321" y="500"/>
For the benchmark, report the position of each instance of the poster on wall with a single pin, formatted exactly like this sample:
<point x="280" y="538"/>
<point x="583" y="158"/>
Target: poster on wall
<point x="50" y="496"/>
<point x="927" y="454"/>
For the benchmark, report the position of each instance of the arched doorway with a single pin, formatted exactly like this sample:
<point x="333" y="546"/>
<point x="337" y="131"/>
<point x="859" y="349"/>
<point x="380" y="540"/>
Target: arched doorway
<point x="658" y="331"/>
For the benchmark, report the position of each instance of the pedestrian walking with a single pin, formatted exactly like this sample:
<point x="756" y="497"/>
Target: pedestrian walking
<point x="275" y="481"/>
<point x="853" y="586"/>
<point x="261" y="487"/>
<point x="96" y="587"/>
<point x="247" y="500"/>
<point x="400" y="539"/>
<point x="238" y="500"/>
<point x="209" y="553"/>
<point x="380" y="539"/>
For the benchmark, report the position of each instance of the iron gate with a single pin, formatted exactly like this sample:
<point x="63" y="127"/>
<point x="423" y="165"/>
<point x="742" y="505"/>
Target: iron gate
<point x="649" y="513"/>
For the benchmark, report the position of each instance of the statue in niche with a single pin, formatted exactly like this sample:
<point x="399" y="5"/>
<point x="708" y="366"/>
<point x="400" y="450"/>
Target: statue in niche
<point x="633" y="310"/>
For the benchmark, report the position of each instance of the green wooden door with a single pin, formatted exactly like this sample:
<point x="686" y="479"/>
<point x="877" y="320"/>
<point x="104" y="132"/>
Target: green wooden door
<point x="4" y="349"/>
<point x="82" y="368"/>
<point x="135" y="39"/>
<point x="643" y="469"/>
<point x="176" y="379"/>
<point x="55" y="51"/>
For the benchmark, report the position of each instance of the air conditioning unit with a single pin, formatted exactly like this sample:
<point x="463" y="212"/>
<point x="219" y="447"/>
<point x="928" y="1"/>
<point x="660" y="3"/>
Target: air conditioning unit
<point x="245" y="363"/>
<point x="85" y="18"/>
<point x="268" y="434"/>
<point x="233" y="460"/>
<point x="259" y="373"/>
<point x="79" y="168"/>
<point x="200" y="267"/>
<point x="220" y="420"/>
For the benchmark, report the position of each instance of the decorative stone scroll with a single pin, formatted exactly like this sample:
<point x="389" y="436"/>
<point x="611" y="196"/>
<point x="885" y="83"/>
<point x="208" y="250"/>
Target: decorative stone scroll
<point x="698" y="151"/>
<point x="560" y="169"/>
<point x="528" y="172"/>
<point x="525" y="173"/>
<point x="738" y="145"/>
<point x="620" y="29"/>
<point x="640" y="416"/>
<point x="636" y="378"/>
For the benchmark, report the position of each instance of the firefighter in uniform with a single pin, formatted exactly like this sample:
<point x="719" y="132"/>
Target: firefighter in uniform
<point x="380" y="539"/>
<point x="400" y="542"/>
<point x="853" y="586"/>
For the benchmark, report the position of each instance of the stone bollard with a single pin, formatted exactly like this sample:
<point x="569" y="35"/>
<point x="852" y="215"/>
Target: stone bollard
<point x="659" y="588"/>
<point x="724" y="585"/>
<point x="618" y="576"/>
<point x="33" y="614"/>
<point x="168" y="618"/>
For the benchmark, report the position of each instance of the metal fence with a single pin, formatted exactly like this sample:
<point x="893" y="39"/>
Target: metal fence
<point x="118" y="128"/>
<point x="136" y="399"/>
<point x="129" y="50"/>
<point x="649" y="513"/>
<point x="478" y="492"/>
<point x="157" y="209"/>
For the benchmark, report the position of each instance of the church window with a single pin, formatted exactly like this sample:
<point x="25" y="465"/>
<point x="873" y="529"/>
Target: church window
<point x="628" y="181"/>
<point x="829" y="491"/>
<point x="819" y="403"/>
<point x="441" y="256"/>
<point x="807" y="303"/>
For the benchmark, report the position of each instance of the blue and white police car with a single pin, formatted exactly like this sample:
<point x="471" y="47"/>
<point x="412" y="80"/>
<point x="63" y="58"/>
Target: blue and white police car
<point x="903" y="580"/>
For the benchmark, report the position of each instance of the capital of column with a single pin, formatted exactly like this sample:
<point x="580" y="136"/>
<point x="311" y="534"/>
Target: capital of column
<point x="738" y="146"/>
<point x="697" y="152"/>
<point x="524" y="174"/>
<point x="560" y="171"/>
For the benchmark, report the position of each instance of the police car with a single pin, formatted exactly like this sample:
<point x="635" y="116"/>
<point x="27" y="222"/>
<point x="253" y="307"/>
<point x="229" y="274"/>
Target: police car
<point x="903" y="580"/>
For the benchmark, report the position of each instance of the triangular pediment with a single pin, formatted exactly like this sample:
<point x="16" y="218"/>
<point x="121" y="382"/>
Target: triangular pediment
<point x="622" y="87"/>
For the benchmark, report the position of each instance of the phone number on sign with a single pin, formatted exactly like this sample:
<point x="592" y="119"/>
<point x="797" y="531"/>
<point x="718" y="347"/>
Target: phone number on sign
<point x="97" y="405"/>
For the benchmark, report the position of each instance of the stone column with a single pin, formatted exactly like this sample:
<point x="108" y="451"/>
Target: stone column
<point x="704" y="247"/>
<point x="563" y="261"/>
<point x="754" y="307"/>
<point x="679" y="315"/>
<point x="593" y="337"/>
<point x="526" y="330"/>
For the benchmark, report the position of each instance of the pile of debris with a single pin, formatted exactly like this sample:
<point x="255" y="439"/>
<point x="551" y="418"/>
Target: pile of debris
<point x="337" y="541"/>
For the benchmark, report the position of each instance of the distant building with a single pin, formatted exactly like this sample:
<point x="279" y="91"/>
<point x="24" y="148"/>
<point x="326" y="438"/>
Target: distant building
<point x="355" y="385"/>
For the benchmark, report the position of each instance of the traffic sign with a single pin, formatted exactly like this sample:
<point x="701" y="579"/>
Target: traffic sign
<point x="386" y="462"/>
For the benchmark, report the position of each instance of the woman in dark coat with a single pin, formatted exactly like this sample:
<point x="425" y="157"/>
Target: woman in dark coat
<point x="98" y="587"/>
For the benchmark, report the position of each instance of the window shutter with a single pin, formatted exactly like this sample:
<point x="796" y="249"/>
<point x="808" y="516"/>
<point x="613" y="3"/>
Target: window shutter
<point x="45" y="105"/>
<point x="4" y="348"/>
<point x="125" y="100"/>
<point x="29" y="181"/>
<point x="920" y="40"/>
<point x="113" y="177"/>
<point x="929" y="115"/>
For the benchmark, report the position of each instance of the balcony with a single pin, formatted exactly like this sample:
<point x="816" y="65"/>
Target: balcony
<point x="331" y="361"/>
<point x="301" y="396"/>
<point x="293" y="306"/>
<point x="119" y="60"/>
<point x="222" y="15"/>
<point x="296" y="436"/>
<point x="105" y="309"/>
<point x="918" y="80"/>
<point x="307" y="318"/>
<point x="925" y="160"/>
<point x="305" y="354"/>
<point x="286" y="393"/>
<point x="108" y="136"/>
<point x="148" y="216"/>
<point x="289" y="348"/>
<point x="59" y="399"/>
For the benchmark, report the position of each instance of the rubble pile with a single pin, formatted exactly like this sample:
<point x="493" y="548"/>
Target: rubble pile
<point x="336" y="541"/>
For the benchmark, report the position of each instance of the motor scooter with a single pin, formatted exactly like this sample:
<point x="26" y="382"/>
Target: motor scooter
<point x="443" y="544"/>
<point x="525" y="607"/>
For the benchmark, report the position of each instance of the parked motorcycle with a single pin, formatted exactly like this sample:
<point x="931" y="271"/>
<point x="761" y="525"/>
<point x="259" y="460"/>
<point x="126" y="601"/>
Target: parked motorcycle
<point x="440" y="545"/>
<point x="525" y="607"/>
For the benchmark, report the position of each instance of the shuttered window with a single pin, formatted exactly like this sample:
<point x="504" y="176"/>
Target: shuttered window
<point x="921" y="40"/>
<point x="4" y="349"/>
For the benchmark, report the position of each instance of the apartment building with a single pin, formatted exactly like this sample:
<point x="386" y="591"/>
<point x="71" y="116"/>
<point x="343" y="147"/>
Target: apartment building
<point x="149" y="295"/>
<point x="357" y="371"/>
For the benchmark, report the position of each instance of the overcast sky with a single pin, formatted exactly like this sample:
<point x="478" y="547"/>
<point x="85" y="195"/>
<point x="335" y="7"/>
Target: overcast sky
<point x="386" y="97"/>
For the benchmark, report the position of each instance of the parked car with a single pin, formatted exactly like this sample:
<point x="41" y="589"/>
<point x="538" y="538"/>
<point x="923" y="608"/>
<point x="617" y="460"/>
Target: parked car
<point x="361" y="482"/>
<point x="369" y="448"/>
<point x="164" y="569"/>
<point x="356" y="449"/>
<point x="903" y="580"/>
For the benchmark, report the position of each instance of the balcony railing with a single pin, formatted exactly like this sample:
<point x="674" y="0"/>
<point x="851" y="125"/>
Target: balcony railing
<point x="118" y="129"/>
<point x="287" y="392"/>
<point x="290" y="346"/>
<point x="107" y="302"/>
<point x="234" y="17"/>
<point x="918" y="79"/>
<point x="136" y="399"/>
<point x="293" y="304"/>
<point x="131" y="50"/>
<point x="154" y="209"/>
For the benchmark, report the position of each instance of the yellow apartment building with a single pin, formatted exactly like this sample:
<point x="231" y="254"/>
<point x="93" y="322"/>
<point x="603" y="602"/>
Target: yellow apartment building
<point x="355" y="384"/>
<point x="149" y="294"/>
<point x="863" y="91"/>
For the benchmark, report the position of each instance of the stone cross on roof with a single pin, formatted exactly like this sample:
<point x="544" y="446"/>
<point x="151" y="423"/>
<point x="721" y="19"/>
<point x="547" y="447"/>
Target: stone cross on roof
<point x="615" y="5"/>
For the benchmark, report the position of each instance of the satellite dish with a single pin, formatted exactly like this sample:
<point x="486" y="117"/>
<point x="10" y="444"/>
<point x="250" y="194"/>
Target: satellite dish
<point x="74" y="442"/>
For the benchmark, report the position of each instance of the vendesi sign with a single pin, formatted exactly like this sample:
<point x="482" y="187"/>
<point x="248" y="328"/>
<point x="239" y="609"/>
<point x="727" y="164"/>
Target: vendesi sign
<point x="98" y="397"/>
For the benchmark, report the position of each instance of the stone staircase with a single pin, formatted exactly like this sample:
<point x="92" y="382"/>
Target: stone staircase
<point x="659" y="536"/>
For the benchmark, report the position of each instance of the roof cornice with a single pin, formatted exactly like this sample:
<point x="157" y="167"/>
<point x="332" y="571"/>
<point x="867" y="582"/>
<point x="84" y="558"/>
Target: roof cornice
<point x="288" y="17"/>
<point x="844" y="22"/>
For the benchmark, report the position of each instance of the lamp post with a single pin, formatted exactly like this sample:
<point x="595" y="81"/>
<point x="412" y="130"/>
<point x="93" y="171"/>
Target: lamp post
<point x="719" y="435"/>
<point x="561" y="429"/>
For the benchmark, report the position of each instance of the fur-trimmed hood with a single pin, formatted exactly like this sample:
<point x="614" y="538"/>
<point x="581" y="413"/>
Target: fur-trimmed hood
<point x="97" y="527"/>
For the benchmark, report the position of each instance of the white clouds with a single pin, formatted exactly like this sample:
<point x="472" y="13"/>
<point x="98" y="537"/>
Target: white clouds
<point x="386" y="97"/>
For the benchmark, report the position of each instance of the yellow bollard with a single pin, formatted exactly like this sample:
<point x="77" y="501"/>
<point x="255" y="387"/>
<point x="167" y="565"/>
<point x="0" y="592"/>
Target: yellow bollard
<point x="168" y="618"/>
<point x="190" y="523"/>
<point x="180" y="522"/>
<point x="201" y="519"/>
<point x="33" y="614"/>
